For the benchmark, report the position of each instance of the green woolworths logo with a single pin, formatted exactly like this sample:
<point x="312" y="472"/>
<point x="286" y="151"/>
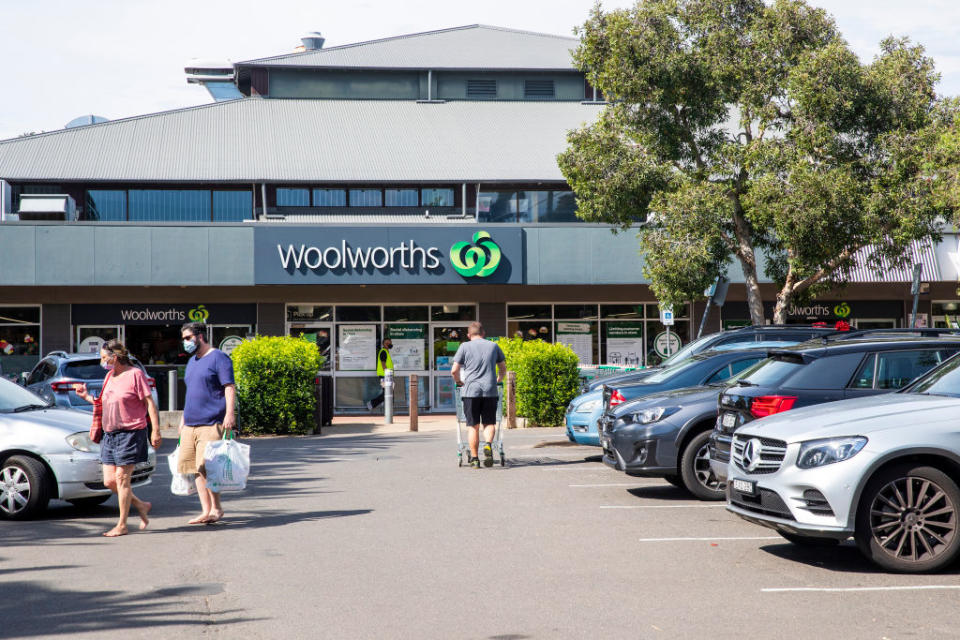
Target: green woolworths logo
<point x="200" y="314"/>
<point x="842" y="310"/>
<point x="479" y="259"/>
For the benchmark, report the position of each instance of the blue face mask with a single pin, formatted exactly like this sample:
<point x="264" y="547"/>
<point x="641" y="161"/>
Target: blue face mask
<point x="189" y="346"/>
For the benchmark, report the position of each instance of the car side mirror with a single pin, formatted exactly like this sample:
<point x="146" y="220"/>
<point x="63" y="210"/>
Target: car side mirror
<point x="22" y="379"/>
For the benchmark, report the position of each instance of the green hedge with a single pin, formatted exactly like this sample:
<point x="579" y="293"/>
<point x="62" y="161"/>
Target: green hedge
<point x="547" y="378"/>
<point x="275" y="384"/>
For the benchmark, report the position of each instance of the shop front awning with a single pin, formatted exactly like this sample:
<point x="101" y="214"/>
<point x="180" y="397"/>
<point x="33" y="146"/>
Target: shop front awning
<point x="921" y="252"/>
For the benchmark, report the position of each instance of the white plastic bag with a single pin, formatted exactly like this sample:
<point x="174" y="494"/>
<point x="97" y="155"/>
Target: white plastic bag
<point x="227" y="463"/>
<point x="181" y="484"/>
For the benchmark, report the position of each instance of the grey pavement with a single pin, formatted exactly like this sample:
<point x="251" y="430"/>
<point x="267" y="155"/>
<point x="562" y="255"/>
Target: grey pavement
<point x="373" y="533"/>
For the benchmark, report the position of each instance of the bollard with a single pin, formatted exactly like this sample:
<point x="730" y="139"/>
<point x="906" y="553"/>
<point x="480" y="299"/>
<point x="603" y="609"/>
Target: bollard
<point x="414" y="402"/>
<point x="511" y="399"/>
<point x="388" y="396"/>
<point x="172" y="390"/>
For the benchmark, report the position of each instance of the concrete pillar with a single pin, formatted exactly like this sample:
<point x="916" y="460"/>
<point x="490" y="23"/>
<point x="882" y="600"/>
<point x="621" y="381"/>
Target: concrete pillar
<point x="55" y="328"/>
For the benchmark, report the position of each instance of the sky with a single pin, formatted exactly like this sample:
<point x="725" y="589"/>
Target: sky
<point x="119" y="58"/>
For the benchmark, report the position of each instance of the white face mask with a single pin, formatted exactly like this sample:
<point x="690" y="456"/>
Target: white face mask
<point x="107" y="366"/>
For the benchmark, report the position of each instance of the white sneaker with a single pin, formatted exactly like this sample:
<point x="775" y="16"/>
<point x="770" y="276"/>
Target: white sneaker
<point x="369" y="405"/>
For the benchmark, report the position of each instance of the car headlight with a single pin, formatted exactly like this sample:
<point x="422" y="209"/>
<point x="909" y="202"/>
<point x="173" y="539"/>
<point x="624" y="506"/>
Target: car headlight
<point x="656" y="414"/>
<point x="816" y="453"/>
<point x="81" y="442"/>
<point x="588" y="406"/>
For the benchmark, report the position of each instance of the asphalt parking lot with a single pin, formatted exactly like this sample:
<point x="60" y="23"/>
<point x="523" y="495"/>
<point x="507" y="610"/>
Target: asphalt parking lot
<point x="383" y="536"/>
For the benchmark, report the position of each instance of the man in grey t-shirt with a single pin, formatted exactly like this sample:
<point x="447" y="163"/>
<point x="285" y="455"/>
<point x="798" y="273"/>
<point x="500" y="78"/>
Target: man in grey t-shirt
<point x="478" y="367"/>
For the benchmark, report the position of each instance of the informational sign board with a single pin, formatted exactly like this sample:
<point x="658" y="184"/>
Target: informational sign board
<point x="357" y="347"/>
<point x="409" y="346"/>
<point x="578" y="337"/>
<point x="666" y="315"/>
<point x="91" y="344"/>
<point x="624" y="343"/>
<point x="666" y="344"/>
<point x="228" y="344"/>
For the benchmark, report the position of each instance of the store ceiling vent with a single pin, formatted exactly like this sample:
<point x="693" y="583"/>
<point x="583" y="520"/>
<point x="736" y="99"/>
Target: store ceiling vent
<point x="538" y="89"/>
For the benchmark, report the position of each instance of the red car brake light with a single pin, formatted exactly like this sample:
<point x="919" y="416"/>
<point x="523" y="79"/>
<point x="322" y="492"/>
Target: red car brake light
<point x="152" y="382"/>
<point x="763" y="406"/>
<point x="616" y="398"/>
<point x="63" y="387"/>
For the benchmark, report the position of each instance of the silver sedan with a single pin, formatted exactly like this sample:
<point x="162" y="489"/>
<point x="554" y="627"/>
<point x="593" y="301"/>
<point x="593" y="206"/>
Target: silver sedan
<point x="46" y="453"/>
<point x="883" y="469"/>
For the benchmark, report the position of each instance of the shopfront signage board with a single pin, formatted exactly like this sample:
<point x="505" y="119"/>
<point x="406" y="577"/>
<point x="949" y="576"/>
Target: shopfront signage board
<point x="162" y="314"/>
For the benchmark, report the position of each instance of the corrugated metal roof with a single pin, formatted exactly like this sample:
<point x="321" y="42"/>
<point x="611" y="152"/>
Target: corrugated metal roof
<point x="921" y="252"/>
<point x="470" y="47"/>
<point x="273" y="140"/>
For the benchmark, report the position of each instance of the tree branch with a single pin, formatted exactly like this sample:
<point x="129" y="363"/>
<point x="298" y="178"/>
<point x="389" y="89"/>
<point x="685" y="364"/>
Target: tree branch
<point x="822" y="273"/>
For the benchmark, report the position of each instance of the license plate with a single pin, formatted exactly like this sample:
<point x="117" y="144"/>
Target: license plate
<point x="745" y="486"/>
<point x="729" y="420"/>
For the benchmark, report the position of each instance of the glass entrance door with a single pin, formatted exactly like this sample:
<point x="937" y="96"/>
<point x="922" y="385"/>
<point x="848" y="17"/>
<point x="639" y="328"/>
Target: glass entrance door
<point x="89" y="339"/>
<point x="317" y="333"/>
<point x="445" y="340"/>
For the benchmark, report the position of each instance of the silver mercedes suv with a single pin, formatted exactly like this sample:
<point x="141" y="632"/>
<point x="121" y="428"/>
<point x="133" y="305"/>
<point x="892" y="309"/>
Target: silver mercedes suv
<point x="882" y="469"/>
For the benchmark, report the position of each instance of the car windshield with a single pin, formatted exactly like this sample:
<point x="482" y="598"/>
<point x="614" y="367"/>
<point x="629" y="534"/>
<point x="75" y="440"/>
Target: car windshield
<point x="942" y="381"/>
<point x="770" y="372"/>
<point x="14" y="397"/>
<point x="85" y="370"/>
<point x="687" y="351"/>
<point x="669" y="372"/>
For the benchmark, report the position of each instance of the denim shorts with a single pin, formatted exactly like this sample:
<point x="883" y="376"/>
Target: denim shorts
<point x="122" y="448"/>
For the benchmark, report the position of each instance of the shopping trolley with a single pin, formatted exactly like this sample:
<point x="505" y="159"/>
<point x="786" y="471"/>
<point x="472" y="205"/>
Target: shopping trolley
<point x="462" y="446"/>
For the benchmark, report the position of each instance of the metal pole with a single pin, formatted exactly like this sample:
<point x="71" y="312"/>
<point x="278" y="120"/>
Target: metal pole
<point x="172" y="390"/>
<point x="667" y="349"/>
<point x="703" y="320"/>
<point x="388" y="396"/>
<point x="511" y="399"/>
<point x="414" y="402"/>
<point x="915" y="290"/>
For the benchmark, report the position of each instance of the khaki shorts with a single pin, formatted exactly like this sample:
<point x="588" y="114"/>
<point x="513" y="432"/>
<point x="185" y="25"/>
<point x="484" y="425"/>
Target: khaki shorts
<point x="193" y="442"/>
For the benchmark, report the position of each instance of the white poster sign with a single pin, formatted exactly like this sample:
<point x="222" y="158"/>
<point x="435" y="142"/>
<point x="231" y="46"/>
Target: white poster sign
<point x="666" y="344"/>
<point x="357" y="347"/>
<point x="91" y="344"/>
<point x="577" y="336"/>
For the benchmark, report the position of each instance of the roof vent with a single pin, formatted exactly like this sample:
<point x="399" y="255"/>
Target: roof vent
<point x="85" y="120"/>
<point x="534" y="89"/>
<point x="312" y="41"/>
<point x="482" y="88"/>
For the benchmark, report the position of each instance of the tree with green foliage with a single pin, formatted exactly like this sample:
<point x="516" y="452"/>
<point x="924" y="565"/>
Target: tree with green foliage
<point x="737" y="129"/>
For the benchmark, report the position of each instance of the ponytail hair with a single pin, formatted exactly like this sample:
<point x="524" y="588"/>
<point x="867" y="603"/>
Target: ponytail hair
<point x="116" y="348"/>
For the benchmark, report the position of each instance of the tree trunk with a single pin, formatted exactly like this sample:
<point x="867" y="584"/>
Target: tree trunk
<point x="754" y="301"/>
<point x="784" y="299"/>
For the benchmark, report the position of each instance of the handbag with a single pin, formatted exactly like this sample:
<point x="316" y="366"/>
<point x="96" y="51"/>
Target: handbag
<point x="96" y="427"/>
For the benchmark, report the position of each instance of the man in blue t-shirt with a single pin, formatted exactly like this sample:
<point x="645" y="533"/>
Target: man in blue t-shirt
<point x="208" y="412"/>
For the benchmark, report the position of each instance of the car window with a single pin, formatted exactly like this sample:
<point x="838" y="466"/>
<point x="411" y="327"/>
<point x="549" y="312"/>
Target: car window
<point x="833" y="371"/>
<point x="85" y="370"/>
<point x="772" y="371"/>
<point x="722" y="374"/>
<point x="742" y="365"/>
<point x="864" y="377"/>
<point x="44" y="370"/>
<point x="737" y="339"/>
<point x="668" y="373"/>
<point x="941" y="381"/>
<point x="896" y="369"/>
<point x="687" y="351"/>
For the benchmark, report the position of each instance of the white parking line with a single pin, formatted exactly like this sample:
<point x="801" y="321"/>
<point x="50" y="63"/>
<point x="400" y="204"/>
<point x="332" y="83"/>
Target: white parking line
<point x="709" y="539"/>
<point x="665" y="506"/>
<point x="924" y="587"/>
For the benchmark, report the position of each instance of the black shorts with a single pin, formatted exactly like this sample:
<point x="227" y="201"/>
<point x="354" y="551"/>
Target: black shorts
<point x="480" y="411"/>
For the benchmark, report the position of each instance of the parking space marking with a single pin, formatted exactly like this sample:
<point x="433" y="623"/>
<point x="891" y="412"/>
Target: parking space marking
<point x="923" y="587"/>
<point x="710" y="539"/>
<point x="664" y="506"/>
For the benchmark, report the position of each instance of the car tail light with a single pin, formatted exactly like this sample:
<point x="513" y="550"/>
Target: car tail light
<point x="768" y="405"/>
<point x="152" y="382"/>
<point x="63" y="387"/>
<point x="616" y="398"/>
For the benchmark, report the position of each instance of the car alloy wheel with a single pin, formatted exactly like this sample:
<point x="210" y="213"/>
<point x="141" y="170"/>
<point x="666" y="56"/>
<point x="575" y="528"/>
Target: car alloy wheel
<point x="22" y="487"/>
<point x="908" y="517"/>
<point x="698" y="478"/>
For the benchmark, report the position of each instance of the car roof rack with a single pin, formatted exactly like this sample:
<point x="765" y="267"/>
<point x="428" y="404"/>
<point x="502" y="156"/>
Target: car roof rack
<point x="908" y="332"/>
<point x="59" y="352"/>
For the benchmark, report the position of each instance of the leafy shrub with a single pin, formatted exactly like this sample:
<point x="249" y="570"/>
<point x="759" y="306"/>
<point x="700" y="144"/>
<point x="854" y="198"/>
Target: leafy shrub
<point x="275" y="379"/>
<point x="547" y="378"/>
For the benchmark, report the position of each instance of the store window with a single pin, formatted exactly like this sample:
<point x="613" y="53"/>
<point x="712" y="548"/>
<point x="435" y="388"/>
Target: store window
<point x="232" y="206"/>
<point x="946" y="314"/>
<point x="329" y="197"/>
<point x="19" y="340"/>
<point x="287" y="197"/>
<point x="406" y="313"/>
<point x="309" y="313"/>
<point x="366" y="198"/>
<point x="526" y="206"/>
<point x="105" y="205"/>
<point x="437" y="197"/>
<point x="453" y="313"/>
<point x="358" y="313"/>
<point x="402" y="197"/>
<point x="179" y="205"/>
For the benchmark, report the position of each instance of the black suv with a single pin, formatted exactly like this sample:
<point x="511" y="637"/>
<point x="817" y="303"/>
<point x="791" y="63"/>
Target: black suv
<point x="757" y="336"/>
<point x="835" y="368"/>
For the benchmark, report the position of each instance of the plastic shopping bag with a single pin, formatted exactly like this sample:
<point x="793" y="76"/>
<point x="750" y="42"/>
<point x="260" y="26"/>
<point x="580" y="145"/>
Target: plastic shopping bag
<point x="181" y="484"/>
<point x="227" y="463"/>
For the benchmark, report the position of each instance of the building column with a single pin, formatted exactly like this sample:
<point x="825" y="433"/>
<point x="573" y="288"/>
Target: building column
<point x="271" y="319"/>
<point x="54" y="328"/>
<point x="493" y="317"/>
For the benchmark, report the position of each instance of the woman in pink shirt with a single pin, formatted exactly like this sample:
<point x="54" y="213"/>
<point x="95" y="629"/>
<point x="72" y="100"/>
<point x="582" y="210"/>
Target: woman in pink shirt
<point x="126" y="401"/>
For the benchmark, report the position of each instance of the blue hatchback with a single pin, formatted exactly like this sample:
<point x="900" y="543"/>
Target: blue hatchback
<point x="582" y="415"/>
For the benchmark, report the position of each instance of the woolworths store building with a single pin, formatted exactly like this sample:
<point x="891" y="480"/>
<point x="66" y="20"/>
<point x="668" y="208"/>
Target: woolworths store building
<point x="402" y="187"/>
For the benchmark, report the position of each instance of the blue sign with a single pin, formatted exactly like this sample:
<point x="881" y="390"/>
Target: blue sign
<point x="454" y="254"/>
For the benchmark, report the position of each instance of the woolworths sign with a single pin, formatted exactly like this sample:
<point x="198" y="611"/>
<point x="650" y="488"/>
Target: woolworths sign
<point x="455" y="254"/>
